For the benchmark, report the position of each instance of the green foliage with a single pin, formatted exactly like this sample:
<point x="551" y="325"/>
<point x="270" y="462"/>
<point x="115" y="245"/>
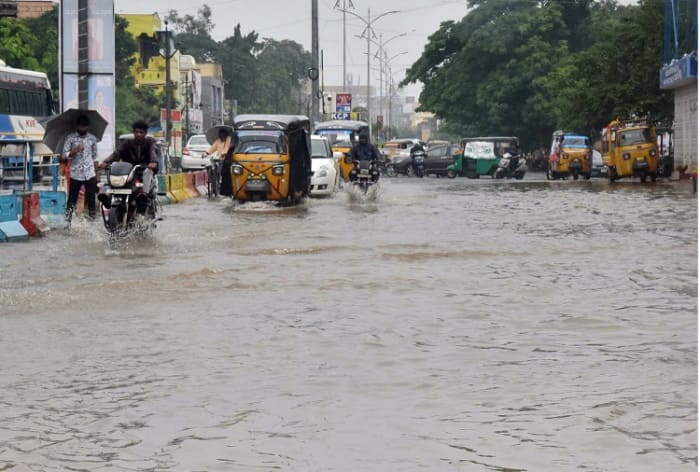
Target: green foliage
<point x="18" y="44"/>
<point x="45" y="45"/>
<point x="517" y="67"/>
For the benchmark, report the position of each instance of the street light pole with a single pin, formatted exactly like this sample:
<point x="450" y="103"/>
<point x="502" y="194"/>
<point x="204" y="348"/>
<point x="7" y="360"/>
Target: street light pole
<point x="369" y="31"/>
<point x="168" y="89"/>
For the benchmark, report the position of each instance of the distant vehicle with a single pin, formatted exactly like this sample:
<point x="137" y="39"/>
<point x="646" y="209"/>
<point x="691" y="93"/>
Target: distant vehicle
<point x="342" y="134"/>
<point x="598" y="168"/>
<point x="570" y="155"/>
<point x="194" y="156"/>
<point x="439" y="157"/>
<point x="400" y="147"/>
<point x="324" y="165"/>
<point x="630" y="150"/>
<point x="481" y="155"/>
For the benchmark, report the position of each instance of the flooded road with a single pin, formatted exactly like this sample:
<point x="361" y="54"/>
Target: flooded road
<point x="459" y="324"/>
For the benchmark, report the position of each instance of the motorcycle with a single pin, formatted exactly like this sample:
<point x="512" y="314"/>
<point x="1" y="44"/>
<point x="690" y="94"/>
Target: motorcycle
<point x="417" y="166"/>
<point x="128" y="187"/>
<point x="364" y="174"/>
<point x="511" y="167"/>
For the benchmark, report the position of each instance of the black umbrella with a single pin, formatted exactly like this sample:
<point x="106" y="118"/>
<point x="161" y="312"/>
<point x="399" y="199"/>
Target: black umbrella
<point x="213" y="132"/>
<point x="58" y="127"/>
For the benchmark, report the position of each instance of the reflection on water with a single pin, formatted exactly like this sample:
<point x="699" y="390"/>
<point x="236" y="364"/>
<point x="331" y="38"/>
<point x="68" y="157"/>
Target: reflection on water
<point x="444" y="325"/>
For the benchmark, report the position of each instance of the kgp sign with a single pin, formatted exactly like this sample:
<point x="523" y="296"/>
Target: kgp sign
<point x="340" y="116"/>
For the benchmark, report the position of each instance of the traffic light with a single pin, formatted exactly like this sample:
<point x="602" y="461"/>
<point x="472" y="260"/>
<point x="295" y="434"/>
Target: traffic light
<point x="8" y="8"/>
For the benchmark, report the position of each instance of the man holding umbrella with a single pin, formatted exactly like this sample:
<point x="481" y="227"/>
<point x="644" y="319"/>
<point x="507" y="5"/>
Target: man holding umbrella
<point x="80" y="149"/>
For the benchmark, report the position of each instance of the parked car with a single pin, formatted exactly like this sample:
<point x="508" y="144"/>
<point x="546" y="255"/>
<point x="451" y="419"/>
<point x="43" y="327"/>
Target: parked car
<point x="324" y="165"/>
<point x="194" y="155"/>
<point x="439" y="157"/>
<point x="598" y="168"/>
<point x="400" y="147"/>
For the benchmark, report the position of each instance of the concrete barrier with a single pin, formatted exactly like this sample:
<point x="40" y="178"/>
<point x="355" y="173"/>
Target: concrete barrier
<point x="177" y="187"/>
<point x="201" y="180"/>
<point x="189" y="184"/>
<point x="31" y="215"/>
<point x="53" y="208"/>
<point x="10" y="228"/>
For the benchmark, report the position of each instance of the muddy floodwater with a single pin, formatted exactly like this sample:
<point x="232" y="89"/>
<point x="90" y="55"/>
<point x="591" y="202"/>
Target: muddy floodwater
<point x="466" y="325"/>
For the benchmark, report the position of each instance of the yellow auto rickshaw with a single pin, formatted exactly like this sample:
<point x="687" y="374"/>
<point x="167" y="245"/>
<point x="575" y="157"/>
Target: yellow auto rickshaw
<point x="629" y="150"/>
<point x="571" y="155"/>
<point x="342" y="134"/>
<point x="272" y="160"/>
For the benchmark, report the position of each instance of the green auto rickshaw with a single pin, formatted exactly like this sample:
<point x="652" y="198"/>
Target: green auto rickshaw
<point x="480" y="156"/>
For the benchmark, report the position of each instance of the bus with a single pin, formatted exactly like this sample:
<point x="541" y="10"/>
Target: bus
<point x="26" y="102"/>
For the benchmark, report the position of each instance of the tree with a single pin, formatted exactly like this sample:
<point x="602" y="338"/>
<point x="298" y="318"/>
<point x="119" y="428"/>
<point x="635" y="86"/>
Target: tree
<point x="18" y="44"/>
<point x="201" y="25"/>
<point x="527" y="68"/>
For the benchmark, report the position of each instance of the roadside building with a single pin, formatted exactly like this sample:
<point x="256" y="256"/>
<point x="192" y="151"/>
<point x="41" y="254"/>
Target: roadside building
<point x="680" y="74"/>
<point x="34" y="8"/>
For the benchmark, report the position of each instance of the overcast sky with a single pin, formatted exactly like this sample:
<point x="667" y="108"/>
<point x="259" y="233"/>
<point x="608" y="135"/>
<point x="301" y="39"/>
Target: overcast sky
<point x="291" y="19"/>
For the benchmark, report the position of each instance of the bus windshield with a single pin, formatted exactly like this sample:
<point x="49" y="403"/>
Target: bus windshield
<point x="25" y="93"/>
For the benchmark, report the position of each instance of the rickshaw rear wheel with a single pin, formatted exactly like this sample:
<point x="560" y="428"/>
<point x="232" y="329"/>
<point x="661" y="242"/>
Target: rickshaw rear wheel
<point x="451" y="174"/>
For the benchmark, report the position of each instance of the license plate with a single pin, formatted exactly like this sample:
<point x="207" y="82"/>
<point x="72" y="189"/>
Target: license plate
<point x="119" y="191"/>
<point x="257" y="185"/>
<point x="364" y="171"/>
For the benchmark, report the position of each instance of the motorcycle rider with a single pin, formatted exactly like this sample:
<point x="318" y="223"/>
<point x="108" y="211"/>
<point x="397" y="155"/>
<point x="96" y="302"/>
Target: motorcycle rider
<point x="363" y="150"/>
<point x="416" y="149"/>
<point x="140" y="150"/>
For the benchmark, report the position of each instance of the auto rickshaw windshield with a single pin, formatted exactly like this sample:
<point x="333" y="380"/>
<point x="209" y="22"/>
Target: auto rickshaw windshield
<point x="261" y="142"/>
<point x="631" y="137"/>
<point x="581" y="142"/>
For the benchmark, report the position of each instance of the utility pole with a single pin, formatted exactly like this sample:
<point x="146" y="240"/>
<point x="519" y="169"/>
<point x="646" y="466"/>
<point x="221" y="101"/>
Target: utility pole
<point x="370" y="32"/>
<point x="314" y="60"/>
<point x="168" y="89"/>
<point x="83" y="59"/>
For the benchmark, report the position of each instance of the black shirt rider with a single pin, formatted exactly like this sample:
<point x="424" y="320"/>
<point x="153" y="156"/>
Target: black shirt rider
<point x="364" y="150"/>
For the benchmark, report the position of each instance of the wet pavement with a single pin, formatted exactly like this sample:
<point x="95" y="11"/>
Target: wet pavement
<point x="443" y="325"/>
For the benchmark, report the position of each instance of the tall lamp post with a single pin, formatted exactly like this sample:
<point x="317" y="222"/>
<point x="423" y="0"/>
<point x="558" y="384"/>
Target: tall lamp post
<point x="168" y="52"/>
<point x="368" y="33"/>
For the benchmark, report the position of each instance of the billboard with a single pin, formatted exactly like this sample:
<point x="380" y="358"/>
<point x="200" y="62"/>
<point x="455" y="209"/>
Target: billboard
<point x="343" y="102"/>
<point x="100" y="26"/>
<point x="100" y="65"/>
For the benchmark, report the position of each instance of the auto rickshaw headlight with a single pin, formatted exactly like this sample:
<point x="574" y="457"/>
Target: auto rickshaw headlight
<point x="237" y="170"/>
<point x="564" y="155"/>
<point x="652" y="153"/>
<point x="626" y="156"/>
<point x="278" y="170"/>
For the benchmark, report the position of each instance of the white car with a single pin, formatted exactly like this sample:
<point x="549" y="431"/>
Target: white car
<point x="194" y="156"/>
<point x="324" y="165"/>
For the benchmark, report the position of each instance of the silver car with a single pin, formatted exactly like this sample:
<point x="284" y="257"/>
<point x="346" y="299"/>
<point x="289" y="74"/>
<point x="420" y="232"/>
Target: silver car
<point x="194" y="155"/>
<point x="598" y="168"/>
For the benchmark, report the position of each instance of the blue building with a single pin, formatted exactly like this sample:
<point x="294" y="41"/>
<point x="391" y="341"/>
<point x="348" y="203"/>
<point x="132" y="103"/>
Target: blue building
<point x="680" y="74"/>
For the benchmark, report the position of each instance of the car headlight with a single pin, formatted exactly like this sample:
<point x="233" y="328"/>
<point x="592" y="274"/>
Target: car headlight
<point x="117" y="180"/>
<point x="237" y="169"/>
<point x="278" y="170"/>
<point x="322" y="171"/>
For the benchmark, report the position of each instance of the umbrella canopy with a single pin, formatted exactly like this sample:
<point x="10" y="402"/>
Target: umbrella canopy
<point x="213" y="132"/>
<point x="56" y="128"/>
